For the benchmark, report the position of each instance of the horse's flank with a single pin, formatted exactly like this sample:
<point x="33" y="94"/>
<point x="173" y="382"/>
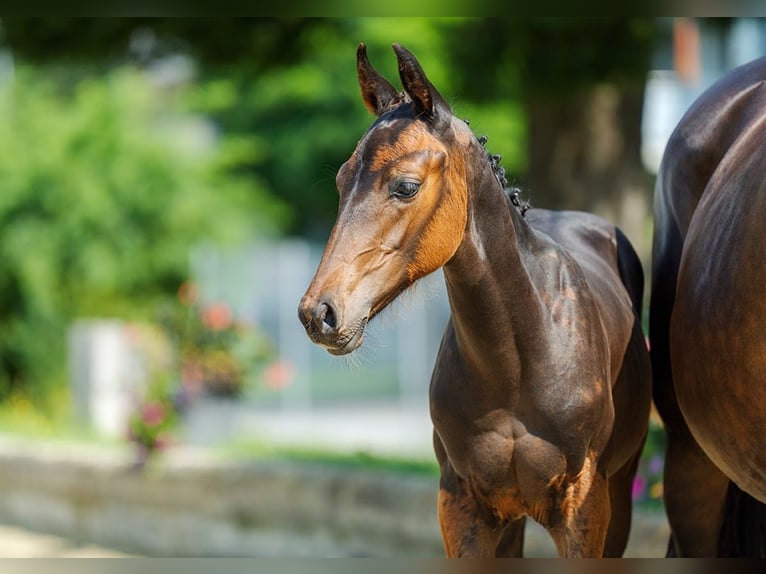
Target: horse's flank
<point x="707" y="316"/>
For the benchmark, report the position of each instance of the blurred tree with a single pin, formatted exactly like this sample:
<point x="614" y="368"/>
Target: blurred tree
<point x="561" y="100"/>
<point x="581" y="84"/>
<point x="104" y="187"/>
<point x="289" y="85"/>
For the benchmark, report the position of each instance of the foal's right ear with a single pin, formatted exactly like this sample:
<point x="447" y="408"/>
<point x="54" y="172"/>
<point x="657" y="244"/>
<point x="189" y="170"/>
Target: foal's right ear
<point x="377" y="92"/>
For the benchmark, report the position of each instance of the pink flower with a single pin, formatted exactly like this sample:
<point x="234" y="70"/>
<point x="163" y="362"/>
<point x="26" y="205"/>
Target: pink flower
<point x="638" y="487"/>
<point x="217" y="317"/>
<point x="152" y="414"/>
<point x="278" y="375"/>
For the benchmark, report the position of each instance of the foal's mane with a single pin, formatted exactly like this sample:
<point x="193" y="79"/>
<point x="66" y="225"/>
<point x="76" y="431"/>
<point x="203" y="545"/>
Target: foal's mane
<point x="512" y="193"/>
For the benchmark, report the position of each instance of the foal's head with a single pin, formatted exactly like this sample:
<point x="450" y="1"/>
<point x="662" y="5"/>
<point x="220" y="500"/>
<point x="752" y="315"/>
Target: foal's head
<point x="403" y="205"/>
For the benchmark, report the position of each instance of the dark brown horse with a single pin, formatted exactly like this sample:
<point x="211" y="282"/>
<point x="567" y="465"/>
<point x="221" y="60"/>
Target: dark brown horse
<point x="541" y="390"/>
<point x="708" y="318"/>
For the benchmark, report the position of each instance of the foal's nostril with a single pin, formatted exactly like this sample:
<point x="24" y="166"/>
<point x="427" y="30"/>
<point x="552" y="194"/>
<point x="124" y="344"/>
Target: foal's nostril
<point x="319" y="319"/>
<point x="326" y="318"/>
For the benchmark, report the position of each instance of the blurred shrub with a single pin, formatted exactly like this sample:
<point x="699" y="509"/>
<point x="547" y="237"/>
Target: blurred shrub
<point x="154" y="420"/>
<point x="104" y="186"/>
<point x="219" y="354"/>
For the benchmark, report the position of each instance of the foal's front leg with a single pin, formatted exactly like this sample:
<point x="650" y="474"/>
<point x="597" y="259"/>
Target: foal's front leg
<point x="582" y="517"/>
<point x="468" y="528"/>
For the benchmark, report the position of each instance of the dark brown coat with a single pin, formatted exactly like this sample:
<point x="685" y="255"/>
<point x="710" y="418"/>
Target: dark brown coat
<point x="541" y="390"/>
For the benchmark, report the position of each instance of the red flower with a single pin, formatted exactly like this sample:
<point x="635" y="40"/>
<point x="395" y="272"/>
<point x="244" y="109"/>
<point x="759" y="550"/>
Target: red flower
<point x="278" y="375"/>
<point x="217" y="317"/>
<point x="152" y="414"/>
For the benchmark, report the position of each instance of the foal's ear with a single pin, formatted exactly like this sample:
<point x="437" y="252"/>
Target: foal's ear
<point x="377" y="92"/>
<point x="428" y="101"/>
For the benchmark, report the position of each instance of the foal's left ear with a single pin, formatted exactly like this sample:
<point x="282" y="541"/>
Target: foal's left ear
<point x="377" y="92"/>
<point x="428" y="101"/>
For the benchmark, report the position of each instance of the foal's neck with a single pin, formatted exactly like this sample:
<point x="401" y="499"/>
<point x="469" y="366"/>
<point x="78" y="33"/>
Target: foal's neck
<point x="492" y="280"/>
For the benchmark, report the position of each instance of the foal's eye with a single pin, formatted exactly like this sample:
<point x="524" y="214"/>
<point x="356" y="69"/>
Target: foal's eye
<point x="404" y="189"/>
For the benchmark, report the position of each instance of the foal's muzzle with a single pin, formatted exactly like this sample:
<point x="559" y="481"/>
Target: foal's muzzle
<point x="322" y="323"/>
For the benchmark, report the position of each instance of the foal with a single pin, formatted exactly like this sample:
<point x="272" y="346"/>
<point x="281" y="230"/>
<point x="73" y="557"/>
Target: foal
<point x="541" y="390"/>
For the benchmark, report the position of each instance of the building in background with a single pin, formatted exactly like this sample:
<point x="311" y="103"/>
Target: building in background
<point x="690" y="55"/>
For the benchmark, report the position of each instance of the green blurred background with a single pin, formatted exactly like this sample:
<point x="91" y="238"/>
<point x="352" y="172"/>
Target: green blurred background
<point x="131" y="148"/>
<point x="124" y="142"/>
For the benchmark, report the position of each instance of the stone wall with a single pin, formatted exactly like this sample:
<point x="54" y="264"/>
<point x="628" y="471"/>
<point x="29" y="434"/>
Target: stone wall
<point x="192" y="505"/>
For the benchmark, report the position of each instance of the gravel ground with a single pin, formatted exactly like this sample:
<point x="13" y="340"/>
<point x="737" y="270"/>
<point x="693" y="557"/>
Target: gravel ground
<point x="648" y="540"/>
<point x="20" y="543"/>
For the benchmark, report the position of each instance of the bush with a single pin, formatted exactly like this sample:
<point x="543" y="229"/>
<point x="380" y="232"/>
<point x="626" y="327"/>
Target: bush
<point x="104" y="185"/>
<point x="218" y="354"/>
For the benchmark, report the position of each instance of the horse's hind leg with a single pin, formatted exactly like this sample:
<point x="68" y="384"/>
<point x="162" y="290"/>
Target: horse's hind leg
<point x="695" y="496"/>
<point x="694" y="488"/>
<point x="621" y="502"/>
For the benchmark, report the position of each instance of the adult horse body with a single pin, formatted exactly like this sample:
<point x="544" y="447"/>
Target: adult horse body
<point x="541" y="390"/>
<point x="708" y="317"/>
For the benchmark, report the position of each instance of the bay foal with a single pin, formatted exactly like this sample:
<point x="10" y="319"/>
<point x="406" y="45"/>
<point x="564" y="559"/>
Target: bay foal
<point x="541" y="390"/>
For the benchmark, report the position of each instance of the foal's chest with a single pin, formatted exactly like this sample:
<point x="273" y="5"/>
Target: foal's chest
<point x="516" y="465"/>
<point x="511" y="473"/>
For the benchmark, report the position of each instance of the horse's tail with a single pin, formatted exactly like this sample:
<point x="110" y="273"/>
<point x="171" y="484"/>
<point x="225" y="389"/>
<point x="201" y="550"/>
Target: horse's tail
<point x="631" y="271"/>
<point x="743" y="532"/>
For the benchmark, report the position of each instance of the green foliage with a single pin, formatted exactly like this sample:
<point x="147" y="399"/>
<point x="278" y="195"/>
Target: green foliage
<point x="307" y="117"/>
<point x="648" y="483"/>
<point x="582" y="52"/>
<point x="53" y="420"/>
<point x="152" y="424"/>
<point x="104" y="186"/>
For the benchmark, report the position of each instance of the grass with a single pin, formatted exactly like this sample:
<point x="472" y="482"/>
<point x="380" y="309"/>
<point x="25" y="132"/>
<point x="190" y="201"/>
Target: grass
<point x="52" y="421"/>
<point x="55" y="421"/>
<point x="357" y="460"/>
